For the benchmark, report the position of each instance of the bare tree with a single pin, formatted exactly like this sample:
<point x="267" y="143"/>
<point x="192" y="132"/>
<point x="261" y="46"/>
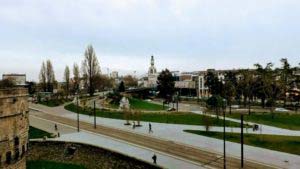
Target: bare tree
<point x="76" y="77"/>
<point x="50" y="76"/>
<point x="43" y="78"/>
<point x="207" y="122"/>
<point x="67" y="79"/>
<point x="130" y="81"/>
<point x="90" y="68"/>
<point x="103" y="82"/>
<point x="7" y="83"/>
<point x="285" y="75"/>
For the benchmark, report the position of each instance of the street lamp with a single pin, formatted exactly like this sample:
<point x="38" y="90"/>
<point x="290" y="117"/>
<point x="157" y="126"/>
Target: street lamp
<point x="242" y="141"/>
<point x="95" y="114"/>
<point x="224" y="132"/>
<point x="177" y="100"/>
<point x="77" y="113"/>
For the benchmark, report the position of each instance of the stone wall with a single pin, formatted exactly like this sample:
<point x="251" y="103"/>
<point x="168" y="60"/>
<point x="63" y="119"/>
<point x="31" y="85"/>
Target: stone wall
<point x="14" y="126"/>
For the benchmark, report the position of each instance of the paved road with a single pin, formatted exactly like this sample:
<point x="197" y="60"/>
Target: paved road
<point x="175" y="133"/>
<point x="191" y="153"/>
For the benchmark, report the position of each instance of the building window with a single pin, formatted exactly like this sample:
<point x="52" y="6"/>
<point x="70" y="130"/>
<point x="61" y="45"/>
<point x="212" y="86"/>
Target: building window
<point x="23" y="150"/>
<point x="14" y="100"/>
<point x="8" y="157"/>
<point x="17" y="153"/>
<point x="201" y="83"/>
<point x="17" y="141"/>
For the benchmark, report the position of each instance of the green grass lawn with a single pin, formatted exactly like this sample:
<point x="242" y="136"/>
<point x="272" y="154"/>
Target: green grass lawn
<point x="139" y="104"/>
<point x="43" y="164"/>
<point x="288" y="144"/>
<point x="37" y="133"/>
<point x="54" y="103"/>
<point x="173" y="117"/>
<point x="282" y="120"/>
<point x="144" y="105"/>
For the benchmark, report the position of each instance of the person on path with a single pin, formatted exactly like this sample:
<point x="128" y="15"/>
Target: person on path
<point x="154" y="157"/>
<point x="55" y="127"/>
<point x="133" y="126"/>
<point x="150" y="128"/>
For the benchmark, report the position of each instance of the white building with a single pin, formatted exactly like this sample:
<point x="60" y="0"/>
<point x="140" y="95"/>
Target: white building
<point x="151" y="78"/>
<point x="114" y="75"/>
<point x="19" y="79"/>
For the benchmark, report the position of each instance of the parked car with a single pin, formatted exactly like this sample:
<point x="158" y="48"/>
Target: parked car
<point x="171" y="109"/>
<point x="281" y="109"/>
<point x="235" y="106"/>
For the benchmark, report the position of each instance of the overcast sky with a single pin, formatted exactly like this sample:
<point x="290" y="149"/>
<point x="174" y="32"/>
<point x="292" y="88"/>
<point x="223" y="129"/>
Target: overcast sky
<point x="185" y="35"/>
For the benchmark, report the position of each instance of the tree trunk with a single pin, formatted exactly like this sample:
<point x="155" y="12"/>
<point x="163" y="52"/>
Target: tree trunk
<point x="245" y="101"/>
<point x="263" y="102"/>
<point x="217" y="113"/>
<point x="249" y="107"/>
<point x="272" y="112"/>
<point x="230" y="107"/>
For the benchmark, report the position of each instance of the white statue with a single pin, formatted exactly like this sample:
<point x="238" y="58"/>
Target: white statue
<point x="75" y="100"/>
<point x="124" y="103"/>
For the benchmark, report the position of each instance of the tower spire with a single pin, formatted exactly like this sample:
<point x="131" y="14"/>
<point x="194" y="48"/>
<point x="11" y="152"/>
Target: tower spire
<point x="152" y="60"/>
<point x="152" y="69"/>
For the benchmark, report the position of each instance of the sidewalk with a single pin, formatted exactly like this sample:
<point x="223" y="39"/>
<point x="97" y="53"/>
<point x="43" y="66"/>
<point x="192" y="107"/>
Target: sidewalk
<point x="265" y="129"/>
<point x="70" y="134"/>
<point x="175" y="133"/>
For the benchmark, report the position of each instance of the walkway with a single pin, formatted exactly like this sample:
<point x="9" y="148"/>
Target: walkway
<point x="174" y="132"/>
<point x="70" y="134"/>
<point x="263" y="129"/>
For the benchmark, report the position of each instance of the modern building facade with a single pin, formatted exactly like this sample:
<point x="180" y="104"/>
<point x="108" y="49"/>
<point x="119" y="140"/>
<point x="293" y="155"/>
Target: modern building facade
<point x="14" y="126"/>
<point x="192" y="84"/>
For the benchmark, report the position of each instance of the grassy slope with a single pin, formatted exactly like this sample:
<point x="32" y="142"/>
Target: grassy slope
<point x="54" y="103"/>
<point x="287" y="144"/>
<point x="139" y="104"/>
<point x="174" y="117"/>
<point x="42" y="164"/>
<point x="282" y="120"/>
<point x="37" y="133"/>
<point x="144" y="105"/>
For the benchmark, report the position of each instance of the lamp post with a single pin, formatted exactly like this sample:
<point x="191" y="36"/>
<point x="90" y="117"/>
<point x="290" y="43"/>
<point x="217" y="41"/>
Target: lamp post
<point x="242" y="141"/>
<point x="95" y="114"/>
<point x="177" y="100"/>
<point x="77" y="113"/>
<point x="224" y="133"/>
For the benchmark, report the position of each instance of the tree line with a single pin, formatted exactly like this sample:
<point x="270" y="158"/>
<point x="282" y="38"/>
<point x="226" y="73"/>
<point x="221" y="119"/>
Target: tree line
<point x="264" y="83"/>
<point x="87" y="78"/>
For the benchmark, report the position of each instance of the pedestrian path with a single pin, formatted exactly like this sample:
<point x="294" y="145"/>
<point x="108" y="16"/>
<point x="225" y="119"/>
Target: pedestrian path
<point x="263" y="129"/>
<point x="175" y="133"/>
<point x="70" y="134"/>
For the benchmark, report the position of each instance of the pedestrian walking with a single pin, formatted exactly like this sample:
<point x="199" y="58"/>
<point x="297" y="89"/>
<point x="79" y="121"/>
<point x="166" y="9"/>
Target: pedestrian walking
<point x="154" y="158"/>
<point x="150" y="128"/>
<point x="55" y="127"/>
<point x="133" y="126"/>
<point x="58" y="135"/>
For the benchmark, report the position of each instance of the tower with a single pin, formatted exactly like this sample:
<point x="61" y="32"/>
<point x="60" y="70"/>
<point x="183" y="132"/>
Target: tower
<point x="152" y="69"/>
<point x="152" y="74"/>
<point x="152" y="60"/>
<point x="14" y="126"/>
